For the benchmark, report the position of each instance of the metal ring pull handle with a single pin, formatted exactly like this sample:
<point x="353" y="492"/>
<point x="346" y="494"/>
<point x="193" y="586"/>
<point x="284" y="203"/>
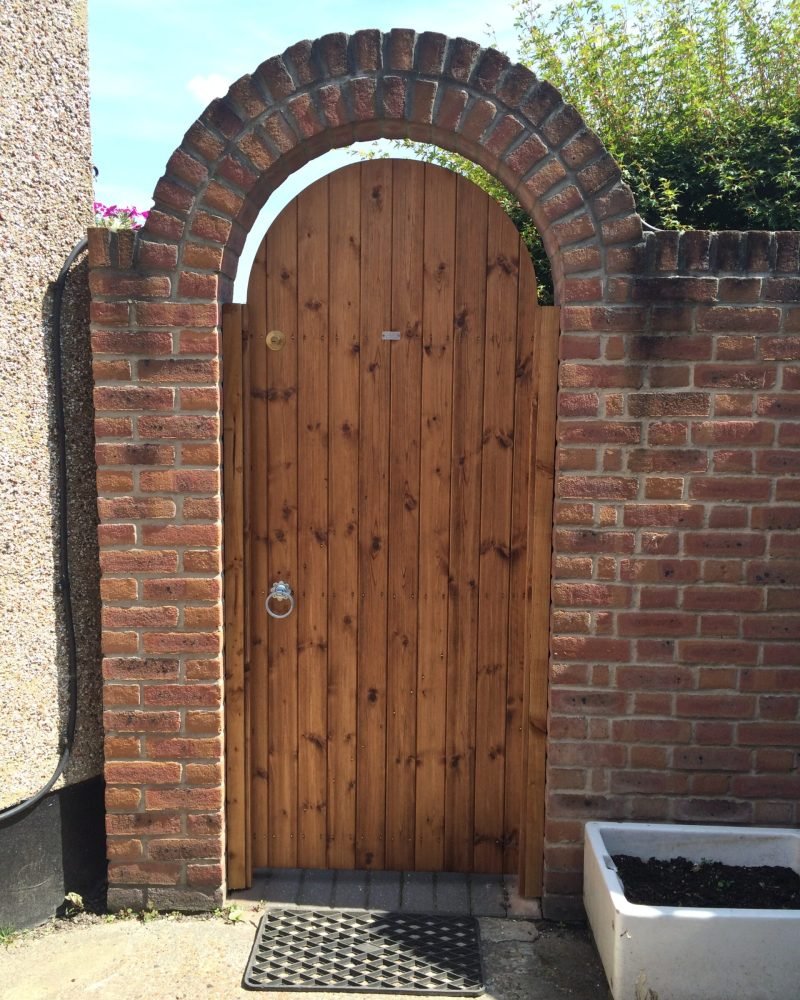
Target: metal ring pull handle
<point x="280" y="591"/>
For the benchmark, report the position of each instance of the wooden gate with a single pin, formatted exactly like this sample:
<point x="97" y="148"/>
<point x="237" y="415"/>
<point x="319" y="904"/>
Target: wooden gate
<point x="385" y="389"/>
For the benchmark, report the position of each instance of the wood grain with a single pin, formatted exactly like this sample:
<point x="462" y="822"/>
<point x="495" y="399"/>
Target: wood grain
<point x="343" y="363"/>
<point x="434" y="514"/>
<point x="236" y="792"/>
<point x="373" y="527"/>
<point x="282" y="519"/>
<point x="312" y="525"/>
<point x="408" y="204"/>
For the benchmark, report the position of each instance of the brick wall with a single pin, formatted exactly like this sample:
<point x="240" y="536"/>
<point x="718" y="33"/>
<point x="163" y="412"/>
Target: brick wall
<point x="674" y="680"/>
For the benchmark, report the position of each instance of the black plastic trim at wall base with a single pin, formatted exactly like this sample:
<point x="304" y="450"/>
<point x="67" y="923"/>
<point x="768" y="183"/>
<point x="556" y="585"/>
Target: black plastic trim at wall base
<point x="58" y="846"/>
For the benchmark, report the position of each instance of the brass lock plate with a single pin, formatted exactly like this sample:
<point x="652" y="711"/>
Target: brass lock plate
<point x="276" y="339"/>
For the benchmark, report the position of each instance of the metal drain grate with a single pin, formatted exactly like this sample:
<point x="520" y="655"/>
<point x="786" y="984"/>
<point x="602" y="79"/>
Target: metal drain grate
<point x="365" y="952"/>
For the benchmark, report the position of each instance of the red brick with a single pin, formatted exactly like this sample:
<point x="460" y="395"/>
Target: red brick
<point x="119" y="427"/>
<point x="147" y="616"/>
<point x="128" y="342"/>
<point x="142" y="722"/>
<point x="183" y="695"/>
<point x="725" y="543"/>
<point x="181" y="481"/>
<point x="667" y="460"/>
<point x="116" y="534"/>
<point x="637" y="623"/>
<point x="736" y="488"/>
<point x="722" y="598"/>
<point x="133" y="398"/>
<point x="139" y="669"/>
<point x="652" y="678"/>
<point x="135" y="508"/>
<point x="590" y="649"/>
<point x="182" y="534"/>
<point x="181" y="642"/>
<point x="590" y="595"/>
<point x="203" y="618"/>
<point x="744" y="318"/>
<point x="149" y="873"/>
<point x="143" y="823"/>
<point x="179" y="428"/>
<point x="667" y="731"/>
<point x="205" y="508"/>
<point x="679" y="515"/>
<point x="730" y="432"/>
<point x="200" y="399"/>
<point x="172" y="849"/>
<point x="715" y="706"/>
<point x="183" y="588"/>
<point x="708" y="651"/>
<point x="176" y="314"/>
<point x="204" y="723"/>
<point x="142" y="773"/>
<point x="183" y="798"/>
<point x="594" y="540"/>
<point x="732" y="376"/>
<point x="668" y="404"/>
<point x="123" y="589"/>
<point x="121" y="694"/>
<point x="767" y="786"/>
<point x="597" y="487"/>
<point x="182" y="748"/>
<point x="134" y="454"/>
<point x="121" y="798"/>
<point x="119" y="642"/>
<point x="203" y="562"/>
<point x="139" y="561"/>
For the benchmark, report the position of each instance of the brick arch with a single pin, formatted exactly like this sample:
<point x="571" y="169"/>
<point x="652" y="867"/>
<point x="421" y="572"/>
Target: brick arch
<point x="326" y="94"/>
<point x="156" y="298"/>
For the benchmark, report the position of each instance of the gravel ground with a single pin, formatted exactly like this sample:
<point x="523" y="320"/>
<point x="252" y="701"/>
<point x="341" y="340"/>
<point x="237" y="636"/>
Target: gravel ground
<point x="188" y="958"/>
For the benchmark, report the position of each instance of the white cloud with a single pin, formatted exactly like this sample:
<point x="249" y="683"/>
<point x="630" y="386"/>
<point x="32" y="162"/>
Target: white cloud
<point x="206" y="88"/>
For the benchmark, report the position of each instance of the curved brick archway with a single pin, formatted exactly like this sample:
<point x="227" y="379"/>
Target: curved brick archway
<point x="156" y="300"/>
<point x="674" y="684"/>
<point x="337" y="90"/>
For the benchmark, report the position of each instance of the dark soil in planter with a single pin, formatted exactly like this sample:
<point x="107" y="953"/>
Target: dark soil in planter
<point x="678" y="882"/>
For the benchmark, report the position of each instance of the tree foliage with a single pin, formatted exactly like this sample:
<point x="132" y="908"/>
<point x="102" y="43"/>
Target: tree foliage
<point x="698" y="101"/>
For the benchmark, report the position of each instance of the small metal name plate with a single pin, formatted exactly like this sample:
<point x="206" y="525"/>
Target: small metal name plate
<point x="390" y="335"/>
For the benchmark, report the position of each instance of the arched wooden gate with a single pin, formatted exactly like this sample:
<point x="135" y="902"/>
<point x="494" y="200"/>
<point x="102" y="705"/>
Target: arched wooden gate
<point x="389" y="435"/>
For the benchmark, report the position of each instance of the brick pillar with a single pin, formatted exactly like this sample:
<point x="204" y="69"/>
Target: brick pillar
<point x="157" y="428"/>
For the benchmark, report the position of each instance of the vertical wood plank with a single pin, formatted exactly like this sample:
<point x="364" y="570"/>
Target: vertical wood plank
<point x="434" y="513"/>
<point x="375" y="360"/>
<point x="282" y="389"/>
<point x="518" y="592"/>
<point x="238" y="873"/>
<point x="465" y="508"/>
<point x="257" y="555"/>
<point x="497" y="469"/>
<point x="312" y="523"/>
<point x="408" y="199"/>
<point x="344" y="338"/>
<point x="540" y="548"/>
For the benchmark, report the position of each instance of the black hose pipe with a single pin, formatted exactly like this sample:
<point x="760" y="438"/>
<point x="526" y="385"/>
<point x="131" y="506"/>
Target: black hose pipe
<point x="63" y="511"/>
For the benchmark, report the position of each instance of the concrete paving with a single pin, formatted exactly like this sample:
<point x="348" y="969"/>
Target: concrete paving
<point x="406" y="892"/>
<point x="190" y="958"/>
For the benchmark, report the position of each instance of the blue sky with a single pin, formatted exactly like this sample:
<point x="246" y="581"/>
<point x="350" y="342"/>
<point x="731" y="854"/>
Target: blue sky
<point x="156" y="64"/>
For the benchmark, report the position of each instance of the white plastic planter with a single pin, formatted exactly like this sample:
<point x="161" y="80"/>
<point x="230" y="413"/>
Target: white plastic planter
<point x="690" y="953"/>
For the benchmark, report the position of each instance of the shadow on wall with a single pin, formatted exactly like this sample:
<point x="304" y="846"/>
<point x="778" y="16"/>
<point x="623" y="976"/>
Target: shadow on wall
<point x="58" y="845"/>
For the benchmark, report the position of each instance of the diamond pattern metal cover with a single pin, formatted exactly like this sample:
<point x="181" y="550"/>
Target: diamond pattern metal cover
<point x="365" y="952"/>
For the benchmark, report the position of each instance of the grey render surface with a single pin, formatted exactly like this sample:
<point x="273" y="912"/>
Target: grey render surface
<point x="45" y="199"/>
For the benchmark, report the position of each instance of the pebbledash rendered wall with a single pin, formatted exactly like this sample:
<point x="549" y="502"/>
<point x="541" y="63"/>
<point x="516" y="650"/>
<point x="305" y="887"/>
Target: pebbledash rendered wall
<point x="675" y="665"/>
<point x="45" y="206"/>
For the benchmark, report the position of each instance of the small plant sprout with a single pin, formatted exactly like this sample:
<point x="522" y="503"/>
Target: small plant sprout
<point x="74" y="903"/>
<point x="7" y="934"/>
